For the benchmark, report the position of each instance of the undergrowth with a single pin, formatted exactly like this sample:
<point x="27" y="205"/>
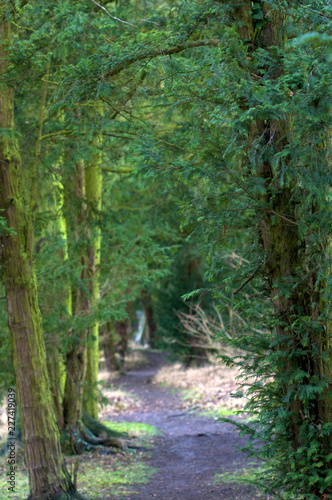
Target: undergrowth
<point x="99" y="474"/>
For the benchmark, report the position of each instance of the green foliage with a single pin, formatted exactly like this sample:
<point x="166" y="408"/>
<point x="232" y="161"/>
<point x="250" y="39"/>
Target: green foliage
<point x="122" y="480"/>
<point x="133" y="428"/>
<point x="186" y="273"/>
<point x="210" y="156"/>
<point x="287" y="89"/>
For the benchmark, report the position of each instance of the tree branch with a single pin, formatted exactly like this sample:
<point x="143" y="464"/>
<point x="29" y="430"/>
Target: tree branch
<point x="52" y="134"/>
<point x="161" y="52"/>
<point x="247" y="280"/>
<point x="113" y="17"/>
<point x="118" y="171"/>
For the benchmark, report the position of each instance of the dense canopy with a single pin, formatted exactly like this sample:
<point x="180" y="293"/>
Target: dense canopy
<point x="168" y="156"/>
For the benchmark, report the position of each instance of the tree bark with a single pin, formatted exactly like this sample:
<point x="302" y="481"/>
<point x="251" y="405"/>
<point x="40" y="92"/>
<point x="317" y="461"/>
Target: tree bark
<point x="286" y="251"/>
<point x="48" y="476"/>
<point x="93" y="183"/>
<point x="55" y="360"/>
<point x="76" y="356"/>
<point x="149" y="315"/>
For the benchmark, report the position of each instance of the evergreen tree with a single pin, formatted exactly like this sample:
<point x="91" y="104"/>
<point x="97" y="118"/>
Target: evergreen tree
<point x="262" y="120"/>
<point x="48" y="476"/>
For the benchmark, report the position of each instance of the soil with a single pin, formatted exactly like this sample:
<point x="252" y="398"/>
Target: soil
<point x="191" y="448"/>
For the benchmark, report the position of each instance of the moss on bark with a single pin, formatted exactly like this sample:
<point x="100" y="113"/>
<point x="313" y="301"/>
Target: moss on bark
<point x="93" y="183"/>
<point x="48" y="476"/>
<point x="286" y="250"/>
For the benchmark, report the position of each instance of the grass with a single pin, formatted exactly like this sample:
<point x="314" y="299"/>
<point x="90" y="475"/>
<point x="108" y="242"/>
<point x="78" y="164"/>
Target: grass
<point x="99" y="476"/>
<point x="243" y="475"/>
<point x="133" y="429"/>
<point x="193" y="397"/>
<point x="221" y="411"/>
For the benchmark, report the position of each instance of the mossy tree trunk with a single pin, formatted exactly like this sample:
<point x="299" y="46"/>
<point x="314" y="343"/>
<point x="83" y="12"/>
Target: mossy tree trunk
<point x="48" y="476"/>
<point x="76" y="355"/>
<point x="76" y="437"/>
<point x="123" y="329"/>
<point x="93" y="192"/>
<point x="290" y="261"/>
<point x="55" y="360"/>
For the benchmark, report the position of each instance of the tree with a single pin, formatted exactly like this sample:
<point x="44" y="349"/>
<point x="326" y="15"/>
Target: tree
<point x="260" y="108"/>
<point x="93" y="183"/>
<point x="263" y="124"/>
<point x="238" y="117"/>
<point x="47" y="472"/>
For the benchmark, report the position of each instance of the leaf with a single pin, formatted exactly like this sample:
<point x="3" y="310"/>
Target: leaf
<point x="260" y="24"/>
<point x="236" y="394"/>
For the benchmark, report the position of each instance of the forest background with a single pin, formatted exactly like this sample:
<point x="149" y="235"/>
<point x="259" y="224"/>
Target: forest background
<point x="153" y="152"/>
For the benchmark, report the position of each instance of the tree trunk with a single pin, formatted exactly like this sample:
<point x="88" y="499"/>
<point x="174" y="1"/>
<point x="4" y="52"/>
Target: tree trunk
<point x="48" y="476"/>
<point x="55" y="361"/>
<point x="286" y="253"/>
<point x="123" y="329"/>
<point x="76" y="356"/>
<point x="151" y="326"/>
<point x="76" y="438"/>
<point x="93" y="183"/>
<point x="108" y="336"/>
<point x="56" y="370"/>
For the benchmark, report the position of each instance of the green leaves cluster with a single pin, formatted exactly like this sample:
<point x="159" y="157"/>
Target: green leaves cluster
<point x="229" y="143"/>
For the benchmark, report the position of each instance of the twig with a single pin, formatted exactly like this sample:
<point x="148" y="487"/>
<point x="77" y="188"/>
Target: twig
<point x="282" y="217"/>
<point x="53" y="134"/>
<point x="147" y="21"/>
<point x="316" y="11"/>
<point x="113" y="17"/>
<point x="121" y="171"/>
<point x="247" y="281"/>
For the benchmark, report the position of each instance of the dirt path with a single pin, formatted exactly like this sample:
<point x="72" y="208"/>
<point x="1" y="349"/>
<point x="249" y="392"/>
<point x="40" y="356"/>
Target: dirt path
<point x="191" y="448"/>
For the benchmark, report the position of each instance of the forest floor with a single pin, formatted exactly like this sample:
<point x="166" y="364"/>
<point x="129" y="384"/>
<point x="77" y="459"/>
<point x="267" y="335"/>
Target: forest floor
<point x="176" y="449"/>
<point x="193" y="456"/>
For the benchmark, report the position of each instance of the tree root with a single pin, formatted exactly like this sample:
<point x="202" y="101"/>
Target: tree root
<point x="98" y="429"/>
<point x="96" y="441"/>
<point x="76" y="440"/>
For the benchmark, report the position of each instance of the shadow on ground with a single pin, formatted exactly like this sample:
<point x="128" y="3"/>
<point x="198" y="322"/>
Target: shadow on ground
<point x="190" y="449"/>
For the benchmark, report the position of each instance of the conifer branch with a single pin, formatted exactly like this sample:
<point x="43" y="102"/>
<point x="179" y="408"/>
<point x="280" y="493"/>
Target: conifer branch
<point x="128" y="97"/>
<point x="161" y="52"/>
<point x="282" y="217"/>
<point x="247" y="281"/>
<point x="35" y="166"/>
<point x="113" y="17"/>
<point x="118" y="171"/>
<point x="53" y="134"/>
